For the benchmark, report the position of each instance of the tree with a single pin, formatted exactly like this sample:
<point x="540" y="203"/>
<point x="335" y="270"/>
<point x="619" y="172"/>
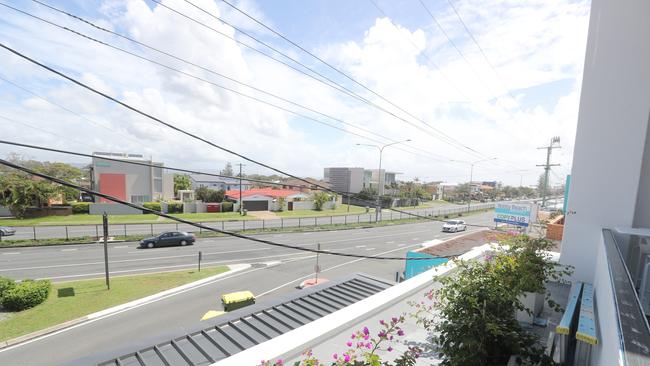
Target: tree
<point x="368" y="193"/>
<point x="181" y="182"/>
<point x="206" y="194"/>
<point x="19" y="192"/>
<point x="320" y="198"/>
<point x="227" y="170"/>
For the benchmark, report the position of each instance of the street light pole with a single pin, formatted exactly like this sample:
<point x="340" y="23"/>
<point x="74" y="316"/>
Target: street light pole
<point x="379" y="180"/>
<point x="471" y="176"/>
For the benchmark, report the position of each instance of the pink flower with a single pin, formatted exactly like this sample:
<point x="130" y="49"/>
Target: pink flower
<point x="349" y="343"/>
<point x="346" y="358"/>
<point x="382" y="322"/>
<point x="335" y="356"/>
<point x="353" y="336"/>
<point x="389" y="349"/>
<point x="394" y="320"/>
<point x="366" y="337"/>
<point x="366" y="331"/>
<point x="400" y="333"/>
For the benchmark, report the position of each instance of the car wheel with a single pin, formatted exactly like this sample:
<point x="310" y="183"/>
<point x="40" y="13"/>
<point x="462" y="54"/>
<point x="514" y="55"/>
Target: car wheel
<point x="183" y="243"/>
<point x="150" y="245"/>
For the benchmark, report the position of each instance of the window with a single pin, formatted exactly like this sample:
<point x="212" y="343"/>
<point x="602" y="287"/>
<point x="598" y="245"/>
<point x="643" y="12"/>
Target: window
<point x="140" y="198"/>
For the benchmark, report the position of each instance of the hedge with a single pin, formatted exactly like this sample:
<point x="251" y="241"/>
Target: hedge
<point x="152" y="206"/>
<point x="6" y="284"/>
<point x="26" y="294"/>
<point x="175" y="207"/>
<point x="226" y="206"/>
<point x="80" y="207"/>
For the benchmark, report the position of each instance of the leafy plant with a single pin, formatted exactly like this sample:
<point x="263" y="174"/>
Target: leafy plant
<point x="206" y="194"/>
<point x="226" y="206"/>
<point x="81" y="207"/>
<point x="320" y="198"/>
<point x="152" y="206"/>
<point x="174" y="207"/>
<point x="6" y="284"/>
<point x="26" y="294"/>
<point x="181" y="182"/>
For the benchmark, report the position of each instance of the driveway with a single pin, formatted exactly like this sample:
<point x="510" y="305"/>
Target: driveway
<point x="263" y="215"/>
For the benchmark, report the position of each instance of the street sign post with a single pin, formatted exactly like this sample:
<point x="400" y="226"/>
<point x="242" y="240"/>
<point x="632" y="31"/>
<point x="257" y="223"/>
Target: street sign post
<point x="519" y="214"/>
<point x="105" y="223"/>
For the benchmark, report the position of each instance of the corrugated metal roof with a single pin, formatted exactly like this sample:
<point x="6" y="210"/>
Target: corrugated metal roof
<point x="247" y="327"/>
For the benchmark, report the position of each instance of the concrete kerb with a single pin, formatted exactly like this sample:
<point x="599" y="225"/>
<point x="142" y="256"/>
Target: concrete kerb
<point x="234" y="268"/>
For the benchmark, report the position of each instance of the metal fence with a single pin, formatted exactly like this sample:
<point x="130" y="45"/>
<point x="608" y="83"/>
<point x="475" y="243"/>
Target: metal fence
<point x="81" y="231"/>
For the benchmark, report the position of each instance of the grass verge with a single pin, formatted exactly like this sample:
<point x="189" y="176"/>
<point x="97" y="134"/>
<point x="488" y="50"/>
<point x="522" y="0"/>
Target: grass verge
<point x="71" y="300"/>
<point x="209" y="234"/>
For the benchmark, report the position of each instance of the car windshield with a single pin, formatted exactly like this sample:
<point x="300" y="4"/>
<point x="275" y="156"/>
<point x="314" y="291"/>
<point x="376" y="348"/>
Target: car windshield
<point x="452" y="222"/>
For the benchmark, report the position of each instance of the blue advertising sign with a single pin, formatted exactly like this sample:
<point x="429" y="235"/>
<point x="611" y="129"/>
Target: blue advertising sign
<point x="513" y="213"/>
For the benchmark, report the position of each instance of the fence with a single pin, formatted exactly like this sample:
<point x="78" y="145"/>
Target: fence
<point x="79" y="231"/>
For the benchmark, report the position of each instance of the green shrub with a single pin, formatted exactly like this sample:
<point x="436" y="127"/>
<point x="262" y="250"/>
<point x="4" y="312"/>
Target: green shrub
<point x="175" y="207"/>
<point x="226" y="206"/>
<point x="152" y="206"/>
<point x="80" y="207"/>
<point x="26" y="294"/>
<point x="6" y="284"/>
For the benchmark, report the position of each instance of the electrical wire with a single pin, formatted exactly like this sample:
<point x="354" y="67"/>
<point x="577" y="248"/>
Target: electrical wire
<point x="201" y="226"/>
<point x="184" y="132"/>
<point x="441" y="136"/>
<point x="77" y="33"/>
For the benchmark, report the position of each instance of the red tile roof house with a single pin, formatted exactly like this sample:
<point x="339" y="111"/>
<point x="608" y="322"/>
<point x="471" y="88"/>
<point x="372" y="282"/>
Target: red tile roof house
<point x="267" y="199"/>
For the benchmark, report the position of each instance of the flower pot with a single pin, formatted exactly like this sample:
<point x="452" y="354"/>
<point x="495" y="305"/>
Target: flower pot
<point x="533" y="301"/>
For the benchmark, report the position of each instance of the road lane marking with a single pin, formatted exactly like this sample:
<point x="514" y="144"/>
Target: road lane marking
<point x="121" y="247"/>
<point x="329" y="269"/>
<point x="415" y="239"/>
<point x="69" y="250"/>
<point x="390" y="242"/>
<point x="360" y="246"/>
<point x="401" y="245"/>
<point x="11" y="253"/>
<point x="370" y="249"/>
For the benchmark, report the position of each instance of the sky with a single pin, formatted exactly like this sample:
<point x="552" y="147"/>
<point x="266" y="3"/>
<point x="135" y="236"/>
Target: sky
<point x="382" y="72"/>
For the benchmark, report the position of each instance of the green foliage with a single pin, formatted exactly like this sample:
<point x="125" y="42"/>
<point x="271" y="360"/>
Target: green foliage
<point x="81" y="207"/>
<point x="368" y="193"/>
<point x="181" y="182"/>
<point x="19" y="192"/>
<point x="175" y="207"/>
<point x="26" y="294"/>
<point x="320" y="198"/>
<point x="226" y="206"/>
<point x="152" y="206"/>
<point x="227" y="170"/>
<point x="281" y="201"/>
<point x="209" y="195"/>
<point x="478" y="304"/>
<point x="6" y="284"/>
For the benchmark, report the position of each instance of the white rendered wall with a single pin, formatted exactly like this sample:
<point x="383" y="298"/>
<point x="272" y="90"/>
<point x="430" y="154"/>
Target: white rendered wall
<point x="612" y="123"/>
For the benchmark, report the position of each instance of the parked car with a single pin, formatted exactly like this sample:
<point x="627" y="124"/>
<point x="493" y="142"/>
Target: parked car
<point x="6" y="231"/>
<point x="452" y="226"/>
<point x="167" y="239"/>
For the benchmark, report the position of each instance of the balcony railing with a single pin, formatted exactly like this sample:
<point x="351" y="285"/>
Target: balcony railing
<point x="633" y="329"/>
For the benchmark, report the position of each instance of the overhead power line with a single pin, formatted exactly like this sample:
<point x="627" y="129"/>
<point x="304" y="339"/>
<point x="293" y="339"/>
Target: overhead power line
<point x="189" y="134"/>
<point x="487" y="60"/>
<point x="198" y="225"/>
<point x="438" y="134"/>
<point x="275" y="96"/>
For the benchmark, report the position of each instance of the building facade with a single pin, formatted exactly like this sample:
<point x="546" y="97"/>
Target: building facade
<point x="343" y="179"/>
<point x="130" y="182"/>
<point x="217" y="183"/>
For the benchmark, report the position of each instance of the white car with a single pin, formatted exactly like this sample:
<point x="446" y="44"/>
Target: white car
<point x="452" y="226"/>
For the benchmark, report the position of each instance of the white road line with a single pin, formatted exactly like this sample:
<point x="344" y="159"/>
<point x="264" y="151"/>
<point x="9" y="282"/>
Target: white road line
<point x="368" y="249"/>
<point x="360" y="246"/>
<point x="329" y="269"/>
<point x="69" y="250"/>
<point x="11" y="253"/>
<point x="415" y="239"/>
<point x="401" y="245"/>
<point x="390" y="242"/>
<point x="121" y="246"/>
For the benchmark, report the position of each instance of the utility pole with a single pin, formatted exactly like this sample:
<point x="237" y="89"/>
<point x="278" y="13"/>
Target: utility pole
<point x="241" y="204"/>
<point x="548" y="165"/>
<point x="105" y="224"/>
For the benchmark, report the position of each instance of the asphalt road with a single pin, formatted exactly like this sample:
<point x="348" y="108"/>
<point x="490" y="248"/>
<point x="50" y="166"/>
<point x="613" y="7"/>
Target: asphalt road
<point x="176" y="314"/>
<point x="77" y="231"/>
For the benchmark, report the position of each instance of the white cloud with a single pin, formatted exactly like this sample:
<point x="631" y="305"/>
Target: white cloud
<point x="530" y="44"/>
